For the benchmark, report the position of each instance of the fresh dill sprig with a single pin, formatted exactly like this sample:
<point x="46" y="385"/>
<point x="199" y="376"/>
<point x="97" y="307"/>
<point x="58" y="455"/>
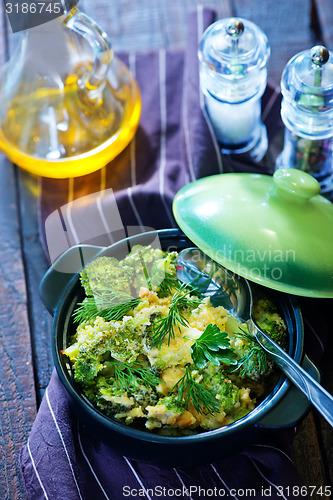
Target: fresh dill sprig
<point x="255" y="360"/>
<point x="189" y="391"/>
<point x="212" y="345"/>
<point x="132" y="375"/>
<point x="107" y="305"/>
<point x="165" y="327"/>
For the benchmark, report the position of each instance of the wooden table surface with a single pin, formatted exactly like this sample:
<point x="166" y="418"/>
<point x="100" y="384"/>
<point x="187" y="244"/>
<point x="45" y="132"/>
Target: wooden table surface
<point x="25" y="354"/>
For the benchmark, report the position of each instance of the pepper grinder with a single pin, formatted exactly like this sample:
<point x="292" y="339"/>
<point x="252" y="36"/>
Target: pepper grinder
<point x="307" y="113"/>
<point x="233" y="55"/>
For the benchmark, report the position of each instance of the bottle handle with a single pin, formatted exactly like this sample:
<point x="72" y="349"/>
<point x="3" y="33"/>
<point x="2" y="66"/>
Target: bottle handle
<point x="92" y="82"/>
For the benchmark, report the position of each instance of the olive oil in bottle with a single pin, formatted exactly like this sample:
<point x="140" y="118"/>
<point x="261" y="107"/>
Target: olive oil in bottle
<point x="64" y="113"/>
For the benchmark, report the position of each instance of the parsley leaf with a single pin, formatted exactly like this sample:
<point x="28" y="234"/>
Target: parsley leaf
<point x="214" y="346"/>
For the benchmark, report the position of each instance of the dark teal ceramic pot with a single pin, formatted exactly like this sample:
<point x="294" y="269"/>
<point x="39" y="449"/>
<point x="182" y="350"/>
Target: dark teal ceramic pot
<point x="283" y="407"/>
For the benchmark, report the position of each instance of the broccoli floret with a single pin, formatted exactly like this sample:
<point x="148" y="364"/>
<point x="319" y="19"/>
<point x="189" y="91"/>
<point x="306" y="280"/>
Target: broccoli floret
<point x="96" y="342"/>
<point x="122" y="404"/>
<point x="140" y="253"/>
<point x="266" y="315"/>
<point x="170" y="263"/>
<point x="169" y="412"/>
<point x="263" y="304"/>
<point x="167" y="265"/>
<point x="123" y="339"/>
<point x="141" y="260"/>
<point x="142" y="257"/>
<point x="126" y="344"/>
<point x="173" y="404"/>
<point x="105" y="273"/>
<point x="228" y="396"/>
<point x="147" y="338"/>
<point x="253" y="362"/>
<point x="162" y="268"/>
<point x="224" y="390"/>
<point x="109" y="398"/>
<point x="145" y="396"/>
<point x="275" y="327"/>
<point x="86" y="368"/>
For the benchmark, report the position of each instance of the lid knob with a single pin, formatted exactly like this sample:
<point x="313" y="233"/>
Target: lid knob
<point x="295" y="185"/>
<point x="319" y="55"/>
<point x="235" y="29"/>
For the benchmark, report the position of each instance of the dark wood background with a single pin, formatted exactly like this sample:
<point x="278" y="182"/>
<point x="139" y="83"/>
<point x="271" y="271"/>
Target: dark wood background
<point x="25" y="326"/>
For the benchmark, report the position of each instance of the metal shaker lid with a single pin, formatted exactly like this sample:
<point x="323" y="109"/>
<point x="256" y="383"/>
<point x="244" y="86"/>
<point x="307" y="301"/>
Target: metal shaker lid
<point x="234" y="52"/>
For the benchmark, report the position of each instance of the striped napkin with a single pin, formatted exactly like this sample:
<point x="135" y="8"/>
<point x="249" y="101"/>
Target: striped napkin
<point x="173" y="145"/>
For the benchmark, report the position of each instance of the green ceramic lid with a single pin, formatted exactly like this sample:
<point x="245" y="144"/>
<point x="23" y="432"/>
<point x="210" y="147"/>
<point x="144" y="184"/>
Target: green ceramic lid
<point x="274" y="230"/>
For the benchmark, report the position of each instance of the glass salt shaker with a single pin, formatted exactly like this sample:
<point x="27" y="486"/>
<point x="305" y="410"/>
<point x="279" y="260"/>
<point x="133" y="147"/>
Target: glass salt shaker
<point x="233" y="55"/>
<point x="307" y="113"/>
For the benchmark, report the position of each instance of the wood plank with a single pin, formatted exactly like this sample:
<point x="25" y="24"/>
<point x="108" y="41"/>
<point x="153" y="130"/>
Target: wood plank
<point x="35" y="266"/>
<point x="17" y="389"/>
<point x="3" y="35"/>
<point x="12" y="39"/>
<point x="325" y="430"/>
<point x="33" y="258"/>
<point x="307" y="455"/>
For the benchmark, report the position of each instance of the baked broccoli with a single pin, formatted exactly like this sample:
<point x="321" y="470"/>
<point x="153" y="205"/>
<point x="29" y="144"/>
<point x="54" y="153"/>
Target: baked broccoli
<point x="134" y="357"/>
<point x="172" y="403"/>
<point x="265" y="314"/>
<point x="224" y="390"/>
<point x="161" y="272"/>
<point x="123" y="404"/>
<point x="105" y="274"/>
<point x="141" y="260"/>
<point x="254" y="362"/>
<point x="86" y="368"/>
